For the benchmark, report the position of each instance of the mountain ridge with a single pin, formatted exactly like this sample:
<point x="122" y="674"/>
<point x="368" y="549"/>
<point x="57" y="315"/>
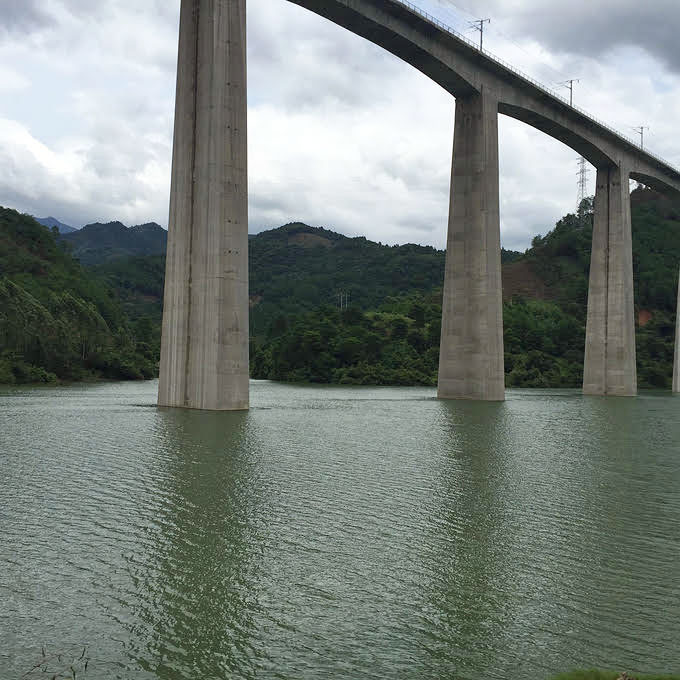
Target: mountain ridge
<point x="50" y="222"/>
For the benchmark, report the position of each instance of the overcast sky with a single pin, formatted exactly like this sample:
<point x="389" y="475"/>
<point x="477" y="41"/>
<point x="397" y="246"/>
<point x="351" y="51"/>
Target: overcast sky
<point x="341" y="134"/>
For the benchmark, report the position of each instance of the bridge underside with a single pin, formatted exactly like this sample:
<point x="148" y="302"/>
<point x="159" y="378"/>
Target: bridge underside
<point x="204" y="353"/>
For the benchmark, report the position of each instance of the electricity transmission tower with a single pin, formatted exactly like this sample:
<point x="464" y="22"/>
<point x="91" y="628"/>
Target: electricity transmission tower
<point x="479" y="26"/>
<point x="582" y="175"/>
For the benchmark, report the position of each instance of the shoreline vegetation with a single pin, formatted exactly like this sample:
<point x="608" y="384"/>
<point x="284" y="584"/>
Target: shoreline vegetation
<point x="57" y="320"/>
<point x="324" y="308"/>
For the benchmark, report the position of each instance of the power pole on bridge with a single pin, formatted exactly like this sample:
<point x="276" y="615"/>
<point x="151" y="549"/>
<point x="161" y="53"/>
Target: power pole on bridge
<point x="640" y="129"/>
<point x="479" y="26"/>
<point x="570" y="84"/>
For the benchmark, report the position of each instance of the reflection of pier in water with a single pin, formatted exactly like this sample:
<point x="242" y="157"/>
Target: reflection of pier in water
<point x="196" y="597"/>
<point x="544" y="534"/>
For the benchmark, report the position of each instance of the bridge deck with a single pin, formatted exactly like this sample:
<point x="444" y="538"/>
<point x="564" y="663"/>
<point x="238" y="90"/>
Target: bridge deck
<point x="459" y="66"/>
<point x="494" y="63"/>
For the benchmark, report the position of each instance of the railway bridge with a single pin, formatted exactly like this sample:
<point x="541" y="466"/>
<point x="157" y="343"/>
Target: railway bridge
<point x="204" y="352"/>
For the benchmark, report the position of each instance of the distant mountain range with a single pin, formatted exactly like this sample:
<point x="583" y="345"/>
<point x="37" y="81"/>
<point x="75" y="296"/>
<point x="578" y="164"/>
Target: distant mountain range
<point x="99" y="243"/>
<point x="53" y="222"/>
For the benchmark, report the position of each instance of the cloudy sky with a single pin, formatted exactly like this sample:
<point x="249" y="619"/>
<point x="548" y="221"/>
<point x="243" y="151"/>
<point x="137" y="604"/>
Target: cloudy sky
<point x="341" y="134"/>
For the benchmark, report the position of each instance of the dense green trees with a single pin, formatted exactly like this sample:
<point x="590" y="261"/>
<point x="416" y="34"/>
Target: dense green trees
<point x="397" y="340"/>
<point x="398" y="344"/>
<point x="562" y="260"/>
<point x="348" y="347"/>
<point x="296" y="268"/>
<point x="56" y="320"/>
<point x="543" y="345"/>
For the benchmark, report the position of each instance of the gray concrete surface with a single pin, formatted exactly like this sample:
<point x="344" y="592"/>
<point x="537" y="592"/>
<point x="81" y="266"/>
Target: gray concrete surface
<point x="471" y="347"/>
<point x="204" y="351"/>
<point x="609" y="367"/>
<point x="676" y="356"/>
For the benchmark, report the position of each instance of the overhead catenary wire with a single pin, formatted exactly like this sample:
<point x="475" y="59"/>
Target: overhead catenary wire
<point x="640" y="129"/>
<point x="460" y="17"/>
<point x="570" y="85"/>
<point x="478" y="25"/>
<point x="447" y="8"/>
<point x="454" y="13"/>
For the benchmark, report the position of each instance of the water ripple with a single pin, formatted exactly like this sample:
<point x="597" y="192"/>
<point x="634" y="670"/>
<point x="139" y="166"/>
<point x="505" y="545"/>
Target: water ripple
<point x="339" y="532"/>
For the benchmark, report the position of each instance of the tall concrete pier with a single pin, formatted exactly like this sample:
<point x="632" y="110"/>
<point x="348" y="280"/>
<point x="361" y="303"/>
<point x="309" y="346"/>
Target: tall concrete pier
<point x="471" y="347"/>
<point x="610" y="329"/>
<point x="676" y="357"/>
<point x="204" y="351"/>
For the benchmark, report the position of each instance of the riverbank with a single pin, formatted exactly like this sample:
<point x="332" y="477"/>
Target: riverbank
<point x="610" y="675"/>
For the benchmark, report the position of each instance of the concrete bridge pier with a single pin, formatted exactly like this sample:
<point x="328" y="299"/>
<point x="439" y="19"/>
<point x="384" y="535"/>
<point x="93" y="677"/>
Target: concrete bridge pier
<point x="609" y="367"/>
<point x="204" y="349"/>
<point x="471" y="345"/>
<point x="676" y="357"/>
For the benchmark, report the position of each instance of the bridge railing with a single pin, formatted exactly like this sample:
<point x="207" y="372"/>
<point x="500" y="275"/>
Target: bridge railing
<point x="544" y="88"/>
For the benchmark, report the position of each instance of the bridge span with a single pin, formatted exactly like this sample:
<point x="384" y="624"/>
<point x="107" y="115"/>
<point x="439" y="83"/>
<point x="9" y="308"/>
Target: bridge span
<point x="204" y="352"/>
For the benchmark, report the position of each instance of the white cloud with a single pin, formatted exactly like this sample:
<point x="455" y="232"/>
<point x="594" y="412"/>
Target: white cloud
<point x="11" y="80"/>
<point x="341" y="133"/>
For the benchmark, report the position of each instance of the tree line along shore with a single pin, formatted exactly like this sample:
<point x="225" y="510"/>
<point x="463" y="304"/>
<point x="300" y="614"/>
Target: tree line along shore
<point x="324" y="308"/>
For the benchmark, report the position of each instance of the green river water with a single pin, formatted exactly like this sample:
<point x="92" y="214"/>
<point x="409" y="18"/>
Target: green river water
<point x="339" y="533"/>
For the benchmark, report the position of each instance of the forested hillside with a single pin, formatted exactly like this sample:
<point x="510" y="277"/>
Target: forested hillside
<point x="396" y="336"/>
<point x="58" y="321"/>
<point x="296" y="268"/>
<point x="387" y="331"/>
